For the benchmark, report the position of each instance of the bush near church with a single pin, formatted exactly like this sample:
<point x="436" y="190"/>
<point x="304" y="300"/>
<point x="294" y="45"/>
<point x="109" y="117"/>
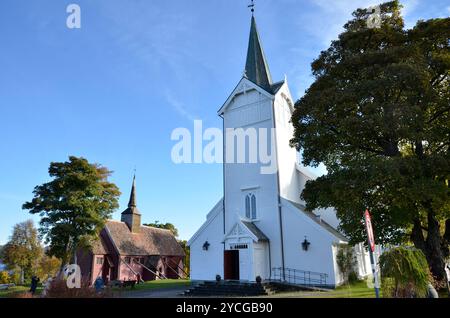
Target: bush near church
<point x="404" y="272"/>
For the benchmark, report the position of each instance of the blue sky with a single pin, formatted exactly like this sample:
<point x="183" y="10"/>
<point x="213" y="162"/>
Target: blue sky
<point x="114" y="90"/>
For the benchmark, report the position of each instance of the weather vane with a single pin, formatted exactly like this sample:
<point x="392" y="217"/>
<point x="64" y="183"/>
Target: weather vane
<point x="252" y="6"/>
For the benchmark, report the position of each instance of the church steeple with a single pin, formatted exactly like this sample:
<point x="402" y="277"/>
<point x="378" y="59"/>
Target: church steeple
<point x="132" y="202"/>
<point x="131" y="216"/>
<point x="256" y="67"/>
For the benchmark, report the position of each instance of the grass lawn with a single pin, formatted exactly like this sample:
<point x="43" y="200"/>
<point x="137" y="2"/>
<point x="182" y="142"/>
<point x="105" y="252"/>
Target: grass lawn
<point x="357" y="290"/>
<point x="16" y="290"/>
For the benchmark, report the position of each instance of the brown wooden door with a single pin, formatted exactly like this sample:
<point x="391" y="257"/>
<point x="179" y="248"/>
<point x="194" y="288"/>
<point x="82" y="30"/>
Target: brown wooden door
<point x="231" y="265"/>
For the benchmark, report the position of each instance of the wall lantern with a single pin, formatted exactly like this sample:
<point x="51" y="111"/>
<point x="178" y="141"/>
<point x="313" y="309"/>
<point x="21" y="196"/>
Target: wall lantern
<point x="206" y="246"/>
<point x="306" y="244"/>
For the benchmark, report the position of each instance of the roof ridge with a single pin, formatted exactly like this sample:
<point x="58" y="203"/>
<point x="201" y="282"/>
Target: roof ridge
<point x="315" y="218"/>
<point x="156" y="228"/>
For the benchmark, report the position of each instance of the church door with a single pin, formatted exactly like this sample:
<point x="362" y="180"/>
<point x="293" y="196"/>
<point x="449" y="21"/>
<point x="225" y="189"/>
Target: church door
<point x="231" y="265"/>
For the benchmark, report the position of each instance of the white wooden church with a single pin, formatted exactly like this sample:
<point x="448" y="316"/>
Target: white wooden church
<point x="260" y="226"/>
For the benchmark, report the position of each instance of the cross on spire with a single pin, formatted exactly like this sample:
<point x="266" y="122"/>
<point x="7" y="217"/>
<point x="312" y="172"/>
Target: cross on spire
<point x="252" y="6"/>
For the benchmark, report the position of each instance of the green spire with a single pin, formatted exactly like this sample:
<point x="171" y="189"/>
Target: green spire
<point x="256" y="67"/>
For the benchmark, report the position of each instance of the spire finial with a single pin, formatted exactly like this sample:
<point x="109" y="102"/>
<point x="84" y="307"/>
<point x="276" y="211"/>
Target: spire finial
<point x="252" y="6"/>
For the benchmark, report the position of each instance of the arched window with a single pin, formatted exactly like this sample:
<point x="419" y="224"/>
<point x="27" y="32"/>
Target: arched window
<point x="253" y="207"/>
<point x="250" y="206"/>
<point x="247" y="206"/>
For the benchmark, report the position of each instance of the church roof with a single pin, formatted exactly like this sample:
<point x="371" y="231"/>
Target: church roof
<point x="256" y="67"/>
<point x="319" y="221"/>
<point x="99" y="247"/>
<point x="255" y="230"/>
<point x="274" y="88"/>
<point x="148" y="241"/>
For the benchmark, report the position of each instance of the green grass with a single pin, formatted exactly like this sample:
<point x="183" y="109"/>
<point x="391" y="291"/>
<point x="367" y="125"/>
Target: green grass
<point x="158" y="284"/>
<point x="356" y="290"/>
<point x="16" y="290"/>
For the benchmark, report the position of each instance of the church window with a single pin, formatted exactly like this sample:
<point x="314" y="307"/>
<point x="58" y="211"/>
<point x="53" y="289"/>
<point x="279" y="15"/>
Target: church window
<point x="247" y="206"/>
<point x="250" y="206"/>
<point x="253" y="207"/>
<point x="99" y="260"/>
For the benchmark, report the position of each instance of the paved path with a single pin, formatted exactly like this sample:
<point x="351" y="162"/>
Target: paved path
<point x="156" y="293"/>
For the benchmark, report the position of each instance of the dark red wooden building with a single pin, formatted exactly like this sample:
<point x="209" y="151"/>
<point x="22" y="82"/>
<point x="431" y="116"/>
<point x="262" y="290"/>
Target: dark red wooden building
<point x="126" y="250"/>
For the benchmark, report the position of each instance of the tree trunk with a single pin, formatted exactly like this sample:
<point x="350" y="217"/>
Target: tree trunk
<point x="417" y="236"/>
<point x="434" y="254"/>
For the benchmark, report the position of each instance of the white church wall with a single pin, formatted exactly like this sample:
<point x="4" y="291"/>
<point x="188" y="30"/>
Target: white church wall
<point x="319" y="256"/>
<point x="290" y="181"/>
<point x="205" y="265"/>
<point x="241" y="179"/>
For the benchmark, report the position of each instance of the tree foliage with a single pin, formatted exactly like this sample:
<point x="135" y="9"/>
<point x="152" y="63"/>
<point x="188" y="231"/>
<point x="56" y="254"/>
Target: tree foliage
<point x="404" y="273"/>
<point x="166" y="226"/>
<point x="48" y="266"/>
<point x="5" y="278"/>
<point x="378" y="117"/>
<point x="74" y="205"/>
<point x="23" y="250"/>
<point x="187" y="257"/>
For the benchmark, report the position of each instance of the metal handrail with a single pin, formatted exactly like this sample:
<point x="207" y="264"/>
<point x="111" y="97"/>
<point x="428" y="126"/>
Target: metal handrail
<point x="298" y="277"/>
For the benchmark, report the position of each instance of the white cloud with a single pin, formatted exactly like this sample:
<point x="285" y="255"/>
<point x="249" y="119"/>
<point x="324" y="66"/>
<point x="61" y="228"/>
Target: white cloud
<point x="327" y="22"/>
<point x="178" y="106"/>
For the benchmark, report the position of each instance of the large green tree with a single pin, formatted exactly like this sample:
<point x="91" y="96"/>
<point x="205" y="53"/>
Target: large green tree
<point x="378" y="117"/>
<point x="23" y="250"/>
<point x="165" y="226"/>
<point x="74" y="205"/>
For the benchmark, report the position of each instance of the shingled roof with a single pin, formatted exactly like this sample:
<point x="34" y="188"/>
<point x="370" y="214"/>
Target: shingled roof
<point x="149" y="240"/>
<point x="256" y="231"/>
<point x="99" y="247"/>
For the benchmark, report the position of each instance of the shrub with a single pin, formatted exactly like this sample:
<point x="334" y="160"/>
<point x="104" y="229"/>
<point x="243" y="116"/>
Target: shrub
<point x="58" y="289"/>
<point x="346" y="261"/>
<point x="353" y="277"/>
<point x="5" y="278"/>
<point x="405" y="273"/>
